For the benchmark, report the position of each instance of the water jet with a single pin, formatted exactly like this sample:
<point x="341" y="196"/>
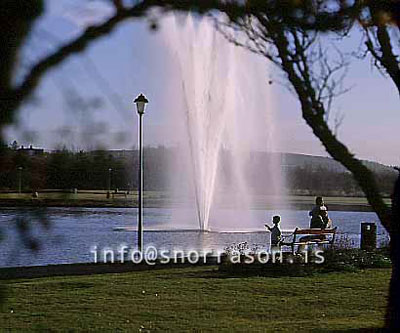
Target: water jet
<point x="224" y="116"/>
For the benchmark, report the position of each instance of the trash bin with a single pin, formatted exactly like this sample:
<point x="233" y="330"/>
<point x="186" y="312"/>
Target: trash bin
<point x="368" y="236"/>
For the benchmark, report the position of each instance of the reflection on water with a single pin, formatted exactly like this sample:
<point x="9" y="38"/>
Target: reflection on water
<point x="74" y="231"/>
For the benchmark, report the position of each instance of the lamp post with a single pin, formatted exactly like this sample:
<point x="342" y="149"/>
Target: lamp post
<point x="140" y="102"/>
<point x="109" y="183"/>
<point x="19" y="179"/>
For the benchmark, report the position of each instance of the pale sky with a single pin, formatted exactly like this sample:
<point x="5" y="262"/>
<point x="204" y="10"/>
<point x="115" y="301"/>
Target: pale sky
<point x="134" y="59"/>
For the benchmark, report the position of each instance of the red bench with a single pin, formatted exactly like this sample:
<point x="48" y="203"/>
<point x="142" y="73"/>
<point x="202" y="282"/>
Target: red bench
<point x="312" y="237"/>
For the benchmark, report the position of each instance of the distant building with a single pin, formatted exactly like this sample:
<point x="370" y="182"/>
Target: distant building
<point x="31" y="151"/>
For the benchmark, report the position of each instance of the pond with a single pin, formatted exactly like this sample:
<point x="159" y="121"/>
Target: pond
<point x="72" y="233"/>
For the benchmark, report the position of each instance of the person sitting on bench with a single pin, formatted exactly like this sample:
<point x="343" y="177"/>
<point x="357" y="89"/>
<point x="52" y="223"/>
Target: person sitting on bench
<point x="319" y="220"/>
<point x="319" y="215"/>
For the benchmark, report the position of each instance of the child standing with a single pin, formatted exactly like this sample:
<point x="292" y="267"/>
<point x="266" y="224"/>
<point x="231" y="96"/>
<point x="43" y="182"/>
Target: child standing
<point x="276" y="233"/>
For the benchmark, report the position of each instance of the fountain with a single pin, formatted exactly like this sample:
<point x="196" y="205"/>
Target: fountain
<point x="223" y="118"/>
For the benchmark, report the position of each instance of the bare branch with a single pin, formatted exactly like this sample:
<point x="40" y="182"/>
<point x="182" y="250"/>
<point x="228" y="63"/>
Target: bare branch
<point x="338" y="121"/>
<point x="317" y="80"/>
<point x="13" y="97"/>
<point x="118" y="4"/>
<point x="18" y="94"/>
<point x="388" y="58"/>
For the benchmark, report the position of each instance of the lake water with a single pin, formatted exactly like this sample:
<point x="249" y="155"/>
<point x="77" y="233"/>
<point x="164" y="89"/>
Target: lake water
<point x="72" y="233"/>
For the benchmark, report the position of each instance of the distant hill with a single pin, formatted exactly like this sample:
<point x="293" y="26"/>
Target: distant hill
<point x="290" y="160"/>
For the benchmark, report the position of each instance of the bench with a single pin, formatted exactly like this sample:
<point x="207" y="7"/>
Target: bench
<point x="311" y="237"/>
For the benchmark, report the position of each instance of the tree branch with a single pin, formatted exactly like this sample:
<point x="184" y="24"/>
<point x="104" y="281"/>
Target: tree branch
<point x="12" y="98"/>
<point x="388" y="59"/>
<point x="288" y="50"/>
<point x="313" y="112"/>
<point x="17" y="95"/>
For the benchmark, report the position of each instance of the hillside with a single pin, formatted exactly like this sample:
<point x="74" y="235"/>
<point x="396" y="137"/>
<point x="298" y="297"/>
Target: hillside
<point x="302" y="160"/>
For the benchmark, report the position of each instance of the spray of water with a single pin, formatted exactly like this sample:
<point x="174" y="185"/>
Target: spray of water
<point x="223" y="118"/>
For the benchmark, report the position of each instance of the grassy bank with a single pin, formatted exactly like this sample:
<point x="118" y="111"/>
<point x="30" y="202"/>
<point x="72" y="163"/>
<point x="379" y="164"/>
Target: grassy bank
<point x="96" y="198"/>
<point x="163" y="199"/>
<point x="196" y="298"/>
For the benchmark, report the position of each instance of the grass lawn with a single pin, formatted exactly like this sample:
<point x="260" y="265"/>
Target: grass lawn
<point x="196" y="298"/>
<point x="98" y="198"/>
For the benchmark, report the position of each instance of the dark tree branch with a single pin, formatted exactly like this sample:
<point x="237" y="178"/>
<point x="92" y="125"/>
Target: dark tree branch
<point x="18" y="94"/>
<point x="118" y="4"/>
<point x="305" y="14"/>
<point x="388" y="59"/>
<point x="313" y="112"/>
<point x="378" y="23"/>
<point x="16" y="21"/>
<point x="311" y="76"/>
<point x="12" y="97"/>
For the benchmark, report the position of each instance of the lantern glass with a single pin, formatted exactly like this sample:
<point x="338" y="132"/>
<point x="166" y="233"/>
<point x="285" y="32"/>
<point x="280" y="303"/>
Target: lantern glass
<point x="140" y="107"/>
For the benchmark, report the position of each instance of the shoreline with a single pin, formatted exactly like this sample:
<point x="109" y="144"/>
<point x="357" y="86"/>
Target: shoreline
<point x="40" y="203"/>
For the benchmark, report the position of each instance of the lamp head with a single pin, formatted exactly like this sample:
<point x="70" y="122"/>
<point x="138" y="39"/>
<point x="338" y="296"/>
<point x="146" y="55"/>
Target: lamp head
<point x="140" y="102"/>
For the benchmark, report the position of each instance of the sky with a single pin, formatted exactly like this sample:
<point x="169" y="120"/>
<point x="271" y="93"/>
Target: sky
<point x="86" y="102"/>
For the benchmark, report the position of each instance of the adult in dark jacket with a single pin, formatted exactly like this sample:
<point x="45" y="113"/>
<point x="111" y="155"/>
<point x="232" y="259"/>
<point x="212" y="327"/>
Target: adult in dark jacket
<point x="319" y="215"/>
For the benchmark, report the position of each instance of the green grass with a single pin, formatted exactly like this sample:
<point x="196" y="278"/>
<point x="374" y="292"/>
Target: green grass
<point x="82" y="199"/>
<point x="196" y="298"/>
<point x="81" y="195"/>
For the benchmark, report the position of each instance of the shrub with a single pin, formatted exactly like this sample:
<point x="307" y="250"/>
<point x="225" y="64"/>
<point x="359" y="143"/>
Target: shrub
<point x="336" y="259"/>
